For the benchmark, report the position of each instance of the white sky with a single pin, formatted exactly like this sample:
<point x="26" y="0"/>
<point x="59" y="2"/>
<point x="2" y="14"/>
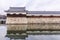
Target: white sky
<point x="37" y="5"/>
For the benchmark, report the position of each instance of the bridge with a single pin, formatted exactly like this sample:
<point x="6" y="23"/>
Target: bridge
<point x="21" y="23"/>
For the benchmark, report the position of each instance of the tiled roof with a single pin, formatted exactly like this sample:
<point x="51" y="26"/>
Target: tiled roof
<point x="16" y="9"/>
<point x="43" y="12"/>
<point x="22" y="9"/>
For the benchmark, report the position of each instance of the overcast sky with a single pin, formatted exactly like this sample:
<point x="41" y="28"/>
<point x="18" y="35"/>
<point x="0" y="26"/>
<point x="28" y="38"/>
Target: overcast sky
<point x="37" y="5"/>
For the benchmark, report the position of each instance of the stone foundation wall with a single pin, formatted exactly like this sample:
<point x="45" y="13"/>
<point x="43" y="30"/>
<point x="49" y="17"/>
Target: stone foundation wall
<point x="23" y="23"/>
<point x="43" y="20"/>
<point x="16" y="20"/>
<point x="21" y="20"/>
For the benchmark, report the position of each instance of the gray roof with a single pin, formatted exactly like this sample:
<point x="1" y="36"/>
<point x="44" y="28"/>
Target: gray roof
<point x="43" y="12"/>
<point x="16" y="9"/>
<point x="22" y="9"/>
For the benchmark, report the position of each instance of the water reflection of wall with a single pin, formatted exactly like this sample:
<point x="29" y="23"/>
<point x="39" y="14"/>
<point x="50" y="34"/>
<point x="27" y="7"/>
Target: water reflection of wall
<point x="17" y="27"/>
<point x="34" y="27"/>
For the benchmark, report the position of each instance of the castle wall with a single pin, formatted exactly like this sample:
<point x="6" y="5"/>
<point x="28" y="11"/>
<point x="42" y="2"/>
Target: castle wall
<point x="16" y="20"/>
<point x="21" y="20"/>
<point x="43" y="20"/>
<point x="24" y="23"/>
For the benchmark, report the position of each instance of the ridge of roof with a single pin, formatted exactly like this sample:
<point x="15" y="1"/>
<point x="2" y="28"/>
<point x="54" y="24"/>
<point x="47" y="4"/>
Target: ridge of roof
<point x="43" y="12"/>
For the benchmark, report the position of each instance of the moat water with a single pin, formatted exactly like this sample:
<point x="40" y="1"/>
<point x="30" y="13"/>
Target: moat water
<point x="3" y="31"/>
